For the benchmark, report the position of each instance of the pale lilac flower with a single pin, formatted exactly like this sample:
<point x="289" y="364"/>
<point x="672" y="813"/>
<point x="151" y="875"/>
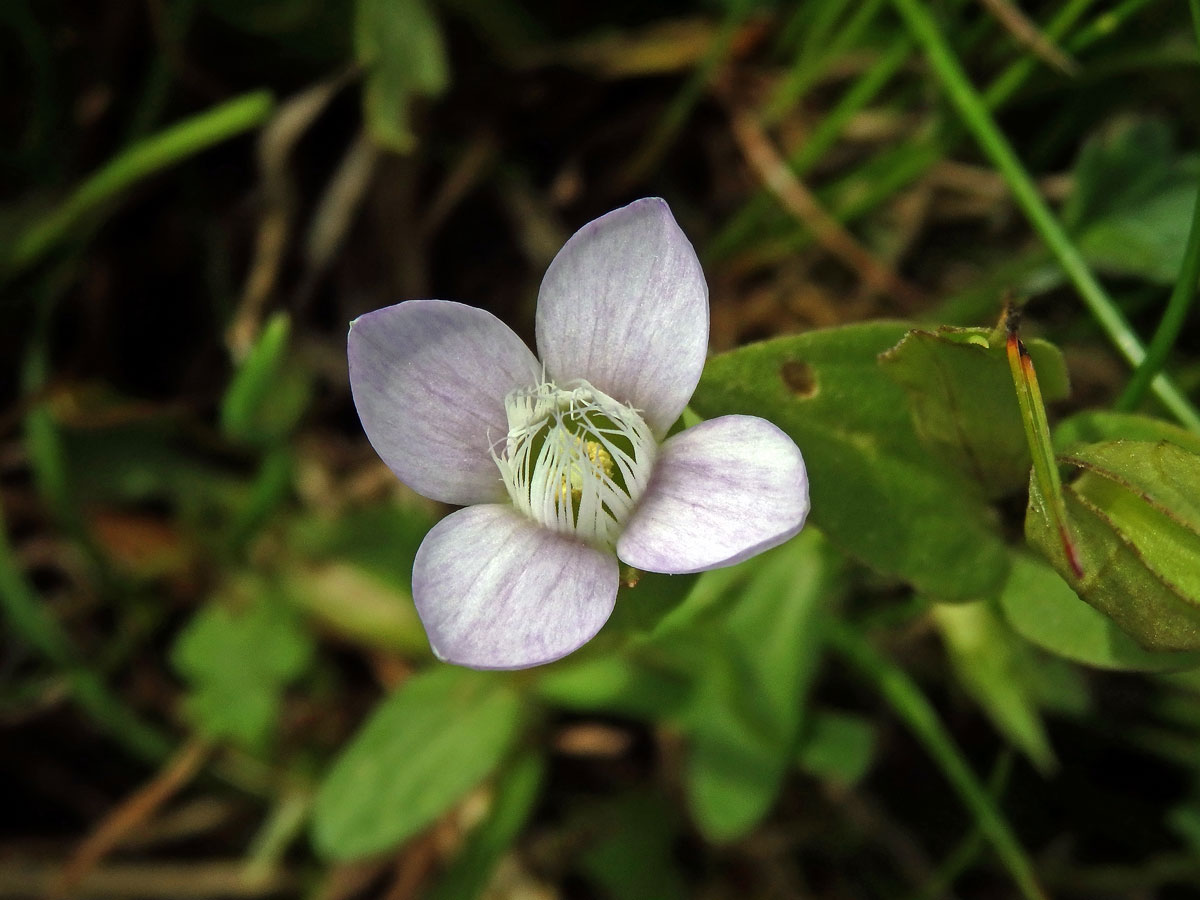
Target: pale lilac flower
<point x="562" y="464"/>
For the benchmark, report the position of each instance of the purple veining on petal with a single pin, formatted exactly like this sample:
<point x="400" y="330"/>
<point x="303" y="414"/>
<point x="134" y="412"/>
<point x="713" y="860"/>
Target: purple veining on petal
<point x="624" y="305"/>
<point x="429" y="379"/>
<point x="721" y="492"/>
<point x="496" y="591"/>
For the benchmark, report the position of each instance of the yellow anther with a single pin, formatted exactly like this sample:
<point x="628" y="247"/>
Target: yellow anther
<point x="601" y="459"/>
<point x="575" y="460"/>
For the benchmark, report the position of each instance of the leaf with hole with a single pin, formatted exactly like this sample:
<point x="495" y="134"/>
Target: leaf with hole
<point x="877" y="492"/>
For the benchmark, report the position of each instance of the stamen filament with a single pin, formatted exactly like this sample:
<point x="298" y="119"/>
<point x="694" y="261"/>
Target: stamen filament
<point x="575" y="460"/>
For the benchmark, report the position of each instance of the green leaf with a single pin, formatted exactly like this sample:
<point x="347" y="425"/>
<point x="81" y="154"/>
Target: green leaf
<point x="877" y="493"/>
<point x="644" y="604"/>
<point x="1133" y="200"/>
<point x="400" y="45"/>
<point x="626" y="684"/>
<point x="244" y="712"/>
<point x="266" y="398"/>
<point x="1118" y="168"/>
<point x="271" y="487"/>
<point x="963" y="406"/>
<point x="1135" y="515"/>
<point x="1097" y="425"/>
<point x="237" y="654"/>
<point x="1043" y="609"/>
<point x="1045" y="472"/>
<point x="261" y="640"/>
<point x="759" y="660"/>
<point x="421" y="750"/>
<point x="471" y="869"/>
<point x="838" y="747"/>
<point x="991" y="665"/>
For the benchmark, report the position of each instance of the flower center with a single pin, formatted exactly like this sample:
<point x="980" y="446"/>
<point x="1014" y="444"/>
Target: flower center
<point x="575" y="460"/>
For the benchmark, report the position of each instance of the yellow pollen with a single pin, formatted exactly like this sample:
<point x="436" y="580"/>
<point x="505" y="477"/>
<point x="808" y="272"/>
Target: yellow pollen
<point x="599" y="458"/>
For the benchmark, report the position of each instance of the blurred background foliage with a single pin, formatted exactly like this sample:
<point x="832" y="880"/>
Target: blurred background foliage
<point x="212" y="679"/>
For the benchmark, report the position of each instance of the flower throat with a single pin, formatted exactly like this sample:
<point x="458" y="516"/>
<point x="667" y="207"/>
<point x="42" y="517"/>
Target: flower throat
<point x="575" y="460"/>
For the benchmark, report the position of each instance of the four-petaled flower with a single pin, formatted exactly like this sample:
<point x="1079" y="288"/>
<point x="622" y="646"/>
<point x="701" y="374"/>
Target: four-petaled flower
<point x="563" y="462"/>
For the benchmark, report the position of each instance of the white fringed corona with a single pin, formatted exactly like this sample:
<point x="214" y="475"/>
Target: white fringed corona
<point x="575" y="460"/>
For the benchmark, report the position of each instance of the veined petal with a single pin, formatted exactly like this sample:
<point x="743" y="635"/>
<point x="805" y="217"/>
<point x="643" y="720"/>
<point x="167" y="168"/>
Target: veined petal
<point x="429" y="378"/>
<point x="496" y="591"/>
<point x="720" y="493"/>
<point x="624" y="305"/>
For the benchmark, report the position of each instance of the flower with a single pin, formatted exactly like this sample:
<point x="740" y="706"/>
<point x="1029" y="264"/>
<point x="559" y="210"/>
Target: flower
<point x="564" y="462"/>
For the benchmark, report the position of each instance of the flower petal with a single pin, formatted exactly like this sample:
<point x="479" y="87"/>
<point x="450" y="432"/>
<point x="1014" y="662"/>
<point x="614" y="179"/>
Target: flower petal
<point x="624" y="305"/>
<point x="720" y="493"/>
<point x="496" y="591"/>
<point x="429" y="379"/>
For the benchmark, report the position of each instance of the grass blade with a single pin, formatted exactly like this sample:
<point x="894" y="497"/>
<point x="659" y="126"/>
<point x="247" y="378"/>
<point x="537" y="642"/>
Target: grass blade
<point x="906" y="699"/>
<point x="30" y="619"/>
<point x="1182" y="296"/>
<point x="144" y="158"/>
<point x="979" y="121"/>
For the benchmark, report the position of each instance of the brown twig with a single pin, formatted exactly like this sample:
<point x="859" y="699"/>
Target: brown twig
<point x="781" y="181"/>
<point x="131" y="813"/>
<point x="350" y="879"/>
<point x="1013" y="20"/>
<point x="295" y="117"/>
<point x="128" y="881"/>
<point x="413" y="866"/>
